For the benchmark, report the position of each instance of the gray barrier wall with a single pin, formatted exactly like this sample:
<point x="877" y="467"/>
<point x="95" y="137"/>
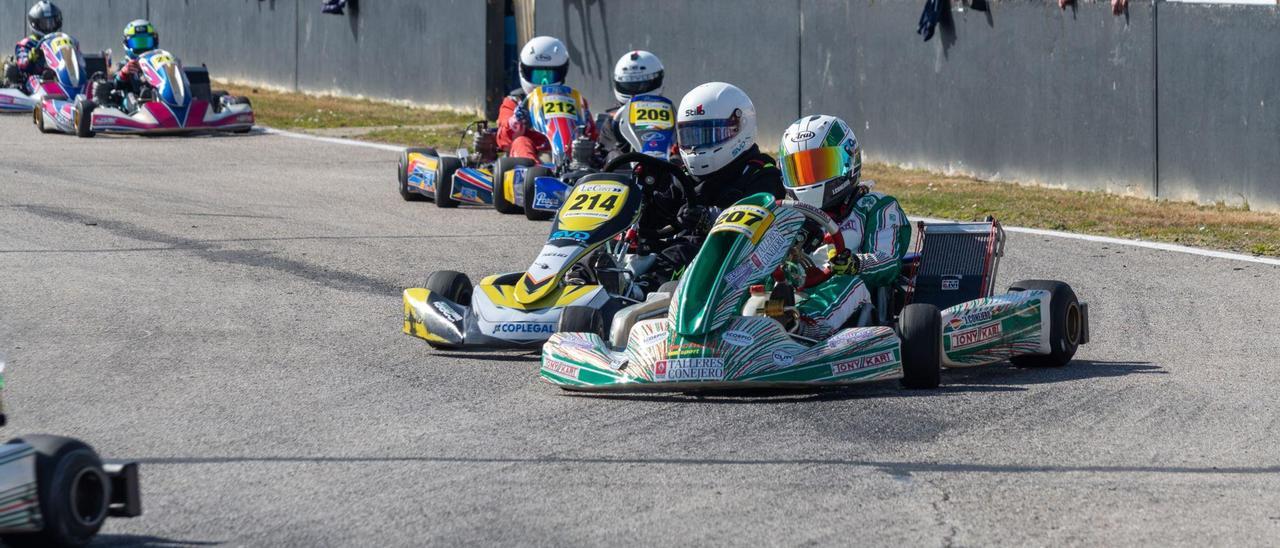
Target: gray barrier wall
<point x="1219" y="103"/>
<point x="97" y="24"/>
<point x="750" y="43"/>
<point x="1026" y="92"/>
<point x="427" y="52"/>
<point x="244" y="40"/>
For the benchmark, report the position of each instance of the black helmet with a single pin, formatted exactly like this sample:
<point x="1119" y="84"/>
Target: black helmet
<point x="44" y="18"/>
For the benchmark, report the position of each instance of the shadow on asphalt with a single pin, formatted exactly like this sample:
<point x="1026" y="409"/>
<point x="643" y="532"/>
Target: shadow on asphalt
<point x="894" y="468"/>
<point x="1001" y="377"/>
<point x="148" y="541"/>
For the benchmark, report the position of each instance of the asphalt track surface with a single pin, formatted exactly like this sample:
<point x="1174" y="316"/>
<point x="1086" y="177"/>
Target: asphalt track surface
<point x="227" y="311"/>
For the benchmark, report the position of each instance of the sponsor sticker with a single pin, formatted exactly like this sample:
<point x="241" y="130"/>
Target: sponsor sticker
<point x="972" y="318"/>
<point x="447" y="311"/>
<point x="542" y="201"/>
<point x="524" y="327"/>
<point x="850" y="337"/>
<point x="739" y="275"/>
<point x="684" y="349"/>
<point x="950" y="283"/>
<point x="977" y="336"/>
<point x="862" y="362"/>
<point x="653" y="339"/>
<point x="560" y="368"/>
<point x="570" y="235"/>
<point x="688" y="369"/>
<point x="738" y="338"/>
<point x="783" y="359"/>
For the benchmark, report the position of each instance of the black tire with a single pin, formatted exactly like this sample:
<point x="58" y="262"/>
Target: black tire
<point x="12" y="76"/>
<point x="83" y="121"/>
<point x="38" y="114"/>
<point x="445" y="169"/>
<point x="529" y="212"/>
<point x="74" y="493"/>
<point x="581" y="319"/>
<point x="920" y="329"/>
<point x="402" y="174"/>
<point x="1066" y="324"/>
<point x="102" y="91"/>
<point x="451" y="285"/>
<point x="500" y="168"/>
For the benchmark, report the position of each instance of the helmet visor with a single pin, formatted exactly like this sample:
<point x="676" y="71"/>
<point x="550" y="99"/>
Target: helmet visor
<point x="544" y="76"/>
<point x="639" y="86"/>
<point x="705" y="133"/>
<point x="809" y="167"/>
<point x="47" y="24"/>
<point x="141" y="43"/>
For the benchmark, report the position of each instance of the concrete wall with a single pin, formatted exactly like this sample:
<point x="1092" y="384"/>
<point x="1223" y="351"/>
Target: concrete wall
<point x="1027" y="92"/>
<point x="247" y="40"/>
<point x="1219" y="103"/>
<point x="425" y="51"/>
<point x="750" y="43"/>
<point x="97" y="24"/>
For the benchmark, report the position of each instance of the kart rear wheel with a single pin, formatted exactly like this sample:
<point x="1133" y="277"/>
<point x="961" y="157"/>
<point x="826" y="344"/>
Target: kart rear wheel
<point x="581" y="319"/>
<point x="451" y="285"/>
<point x="920" y="329"/>
<point x="1066" y="324"/>
<point x="500" y="169"/>
<point x="530" y="175"/>
<point x="83" y="118"/>
<point x="445" y="169"/>
<point x="402" y="174"/>
<point x="73" y="490"/>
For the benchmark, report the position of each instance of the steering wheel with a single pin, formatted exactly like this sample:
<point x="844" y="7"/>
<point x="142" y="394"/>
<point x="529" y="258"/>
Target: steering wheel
<point x="657" y="166"/>
<point x="813" y="274"/>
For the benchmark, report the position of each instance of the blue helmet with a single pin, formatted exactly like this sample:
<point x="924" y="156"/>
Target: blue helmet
<point x="140" y="36"/>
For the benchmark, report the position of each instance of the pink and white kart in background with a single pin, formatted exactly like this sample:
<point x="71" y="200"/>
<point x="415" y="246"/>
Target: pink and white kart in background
<point x="65" y="75"/>
<point x="173" y="100"/>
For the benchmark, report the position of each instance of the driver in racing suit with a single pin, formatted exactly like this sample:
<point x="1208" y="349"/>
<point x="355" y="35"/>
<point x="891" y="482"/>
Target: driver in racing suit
<point x="821" y="165"/>
<point x="636" y="73"/>
<point x="716" y="132"/>
<point x="543" y="61"/>
<point x="44" y="18"/>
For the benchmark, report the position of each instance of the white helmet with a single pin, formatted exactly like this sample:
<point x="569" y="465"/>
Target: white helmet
<point x="821" y="161"/>
<point x="714" y="124"/>
<point x="637" y="73"/>
<point x="543" y="61"/>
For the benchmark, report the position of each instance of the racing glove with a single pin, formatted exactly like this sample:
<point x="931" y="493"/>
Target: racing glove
<point x="843" y="262"/>
<point x="518" y="123"/>
<point x="695" y="218"/>
<point x="129" y="69"/>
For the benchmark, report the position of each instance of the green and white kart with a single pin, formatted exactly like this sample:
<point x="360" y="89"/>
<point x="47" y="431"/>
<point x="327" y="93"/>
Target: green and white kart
<point x="722" y="330"/>
<point x="595" y="229"/>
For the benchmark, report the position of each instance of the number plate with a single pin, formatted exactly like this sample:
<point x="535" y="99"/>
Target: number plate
<point x="751" y="221"/>
<point x="559" y="106"/>
<point x="652" y="115"/>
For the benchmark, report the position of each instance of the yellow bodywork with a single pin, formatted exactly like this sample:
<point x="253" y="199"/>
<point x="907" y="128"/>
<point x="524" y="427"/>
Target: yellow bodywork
<point x="415" y="299"/>
<point x="508" y="189"/>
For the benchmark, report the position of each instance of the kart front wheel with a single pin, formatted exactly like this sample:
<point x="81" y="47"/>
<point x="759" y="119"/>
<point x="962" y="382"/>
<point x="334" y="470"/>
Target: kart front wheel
<point x="500" y="170"/>
<point x="83" y="118"/>
<point x="920" y="330"/>
<point x="451" y="285"/>
<point x="38" y="113"/>
<point x="530" y="189"/>
<point x="445" y="168"/>
<point x="402" y="174"/>
<point x="1066" y="324"/>
<point x="73" y="491"/>
<point x="581" y="319"/>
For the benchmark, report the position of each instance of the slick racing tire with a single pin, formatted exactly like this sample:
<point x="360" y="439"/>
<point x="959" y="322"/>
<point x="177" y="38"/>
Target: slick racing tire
<point x="83" y="118"/>
<point x="920" y="329"/>
<point x="500" y="170"/>
<point x="402" y="174"/>
<point x="451" y="285"/>
<point x="38" y="114"/>
<point x="1066" y="324"/>
<point x="445" y="169"/>
<point x="529" y="212"/>
<point x="581" y="319"/>
<point x="73" y="490"/>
